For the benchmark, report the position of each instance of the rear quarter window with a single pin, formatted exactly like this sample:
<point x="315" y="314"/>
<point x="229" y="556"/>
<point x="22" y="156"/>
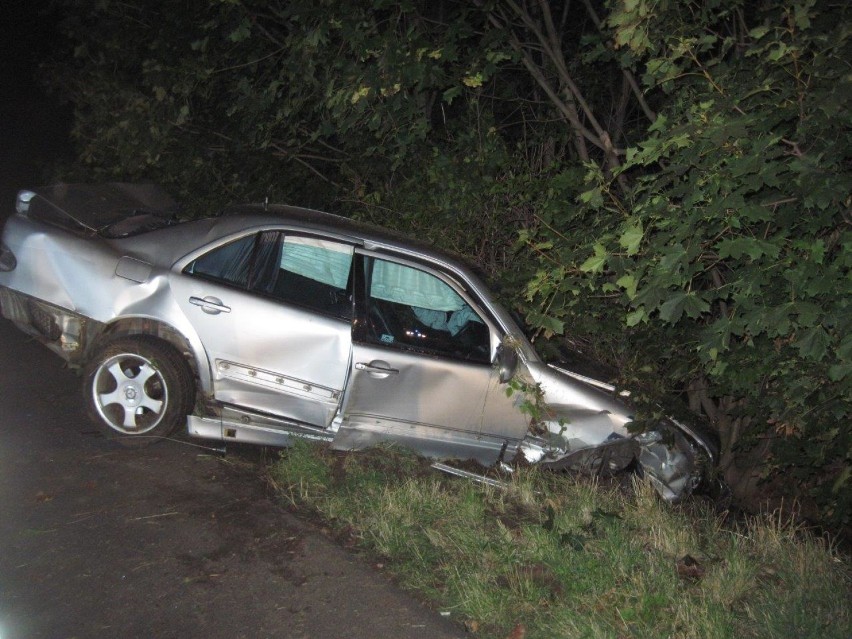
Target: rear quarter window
<point x="230" y="263"/>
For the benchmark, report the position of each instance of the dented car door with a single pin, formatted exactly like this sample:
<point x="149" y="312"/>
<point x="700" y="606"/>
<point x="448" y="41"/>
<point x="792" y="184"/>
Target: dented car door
<point x="273" y="312"/>
<point x="421" y="372"/>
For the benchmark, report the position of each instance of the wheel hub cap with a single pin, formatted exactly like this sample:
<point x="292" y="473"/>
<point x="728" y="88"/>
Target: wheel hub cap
<point x="131" y="394"/>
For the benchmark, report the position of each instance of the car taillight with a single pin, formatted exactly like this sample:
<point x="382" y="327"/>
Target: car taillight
<point x="22" y="204"/>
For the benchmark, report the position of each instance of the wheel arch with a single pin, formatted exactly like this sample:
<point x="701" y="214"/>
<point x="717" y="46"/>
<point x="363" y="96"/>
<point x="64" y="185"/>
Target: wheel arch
<point x="193" y="353"/>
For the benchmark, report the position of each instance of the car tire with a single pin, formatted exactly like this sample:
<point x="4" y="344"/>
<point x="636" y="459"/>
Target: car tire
<point x="138" y="389"/>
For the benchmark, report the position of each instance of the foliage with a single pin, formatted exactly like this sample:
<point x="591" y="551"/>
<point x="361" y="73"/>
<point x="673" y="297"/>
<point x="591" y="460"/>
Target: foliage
<point x="251" y="98"/>
<point x="708" y="251"/>
<point x="556" y="556"/>
<point x="730" y="253"/>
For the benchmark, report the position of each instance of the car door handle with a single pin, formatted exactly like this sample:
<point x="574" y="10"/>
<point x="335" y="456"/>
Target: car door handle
<point x="377" y="369"/>
<point x="210" y="305"/>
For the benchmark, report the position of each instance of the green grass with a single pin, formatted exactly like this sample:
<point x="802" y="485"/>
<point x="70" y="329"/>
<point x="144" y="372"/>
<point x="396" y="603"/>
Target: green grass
<point x="564" y="557"/>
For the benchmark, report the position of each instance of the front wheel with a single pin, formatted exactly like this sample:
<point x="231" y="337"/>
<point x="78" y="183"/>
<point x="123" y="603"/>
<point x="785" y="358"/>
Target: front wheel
<point x="138" y="389"/>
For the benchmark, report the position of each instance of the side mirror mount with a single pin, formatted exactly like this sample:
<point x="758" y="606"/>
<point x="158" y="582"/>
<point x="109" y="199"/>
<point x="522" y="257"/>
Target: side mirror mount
<point x="506" y="361"/>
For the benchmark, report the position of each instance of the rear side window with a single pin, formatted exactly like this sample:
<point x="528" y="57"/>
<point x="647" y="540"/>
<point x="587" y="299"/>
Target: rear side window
<point x="309" y="272"/>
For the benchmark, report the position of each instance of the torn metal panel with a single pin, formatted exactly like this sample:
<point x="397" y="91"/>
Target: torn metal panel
<point x="65" y="333"/>
<point x="429" y="441"/>
<point x="606" y="458"/>
<point x="246" y="427"/>
<point x="578" y="427"/>
<point x="307" y="401"/>
<point x="670" y="461"/>
<point x="564" y="391"/>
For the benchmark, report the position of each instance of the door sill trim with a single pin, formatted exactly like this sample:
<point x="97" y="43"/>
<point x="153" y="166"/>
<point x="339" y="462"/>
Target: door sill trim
<point x="281" y="434"/>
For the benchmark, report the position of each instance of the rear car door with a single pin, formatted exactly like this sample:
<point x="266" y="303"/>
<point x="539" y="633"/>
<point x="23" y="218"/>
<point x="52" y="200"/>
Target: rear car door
<point x="273" y="310"/>
<point x="421" y="372"/>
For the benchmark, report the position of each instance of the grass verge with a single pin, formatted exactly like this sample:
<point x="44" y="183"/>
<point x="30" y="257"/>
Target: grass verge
<point x="556" y="556"/>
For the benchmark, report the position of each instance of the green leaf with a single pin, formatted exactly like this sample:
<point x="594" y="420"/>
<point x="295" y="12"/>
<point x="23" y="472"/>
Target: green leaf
<point x="758" y="32"/>
<point x="634" y="317"/>
<point x="593" y="197"/>
<point x="695" y="306"/>
<point x="837" y="372"/>
<point x="242" y="32"/>
<point x="631" y="238"/>
<point x="813" y="343"/>
<point x="801" y="17"/>
<point x="778" y="51"/>
<point x="775" y="320"/>
<point x="596" y="262"/>
<point x="750" y="246"/>
<point x="674" y="258"/>
<point x="672" y="310"/>
<point x="680" y="303"/>
<point x="474" y="80"/>
<point x="628" y="283"/>
<point x="451" y="94"/>
<point x="550" y="324"/>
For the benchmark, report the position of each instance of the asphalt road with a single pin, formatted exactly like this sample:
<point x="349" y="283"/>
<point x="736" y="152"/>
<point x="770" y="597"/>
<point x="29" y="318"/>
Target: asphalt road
<point x="166" y="541"/>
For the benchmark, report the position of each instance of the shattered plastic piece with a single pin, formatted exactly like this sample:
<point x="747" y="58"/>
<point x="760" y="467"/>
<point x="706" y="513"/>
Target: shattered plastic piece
<point x="458" y="472"/>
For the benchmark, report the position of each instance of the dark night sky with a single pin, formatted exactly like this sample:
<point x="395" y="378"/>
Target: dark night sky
<point x="33" y="126"/>
<point x="24" y="37"/>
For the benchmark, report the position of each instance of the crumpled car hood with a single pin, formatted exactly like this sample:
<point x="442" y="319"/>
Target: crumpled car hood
<point x="115" y="209"/>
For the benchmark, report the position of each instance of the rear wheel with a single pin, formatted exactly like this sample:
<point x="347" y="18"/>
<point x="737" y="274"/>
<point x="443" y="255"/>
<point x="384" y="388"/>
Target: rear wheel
<point x="138" y="389"/>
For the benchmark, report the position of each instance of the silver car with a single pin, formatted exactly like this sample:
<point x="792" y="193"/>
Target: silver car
<point x="273" y="322"/>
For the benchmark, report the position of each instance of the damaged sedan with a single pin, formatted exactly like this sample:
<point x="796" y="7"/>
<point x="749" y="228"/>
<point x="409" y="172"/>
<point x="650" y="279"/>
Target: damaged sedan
<point x="271" y="322"/>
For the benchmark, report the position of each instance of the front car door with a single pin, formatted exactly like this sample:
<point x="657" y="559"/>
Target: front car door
<point x="273" y="310"/>
<point x="421" y="372"/>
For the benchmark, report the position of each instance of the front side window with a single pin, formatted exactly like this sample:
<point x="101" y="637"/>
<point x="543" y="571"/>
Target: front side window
<point x="411" y="309"/>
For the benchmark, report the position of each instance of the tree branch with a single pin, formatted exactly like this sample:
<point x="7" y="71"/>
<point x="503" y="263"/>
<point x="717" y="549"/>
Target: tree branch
<point x="552" y="47"/>
<point x="568" y="107"/>
<point x="284" y="153"/>
<point x="628" y="74"/>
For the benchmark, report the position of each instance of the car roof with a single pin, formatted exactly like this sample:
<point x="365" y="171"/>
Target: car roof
<point x="362" y="233"/>
<point x="168" y="245"/>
